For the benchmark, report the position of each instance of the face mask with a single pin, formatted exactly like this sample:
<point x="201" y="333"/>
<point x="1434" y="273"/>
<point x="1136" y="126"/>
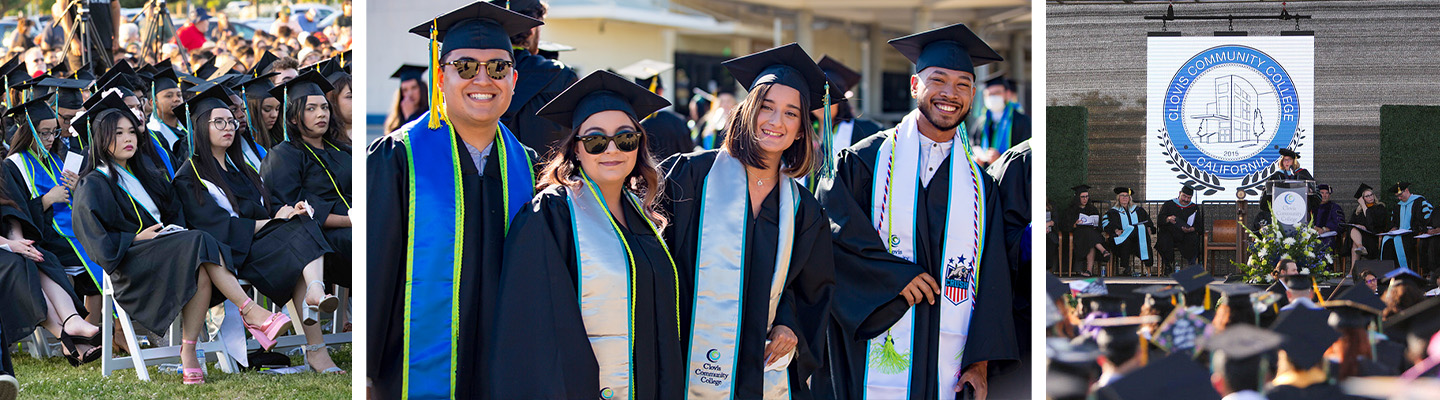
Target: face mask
<point x="995" y="103"/>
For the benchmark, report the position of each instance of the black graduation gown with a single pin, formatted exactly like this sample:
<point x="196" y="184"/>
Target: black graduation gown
<point x="388" y="196"/>
<point x="1084" y="237"/>
<point x="293" y="174"/>
<point x="862" y="129"/>
<point x="6" y="367"/>
<point x="809" y="284"/>
<point x="22" y="302"/>
<point x="1019" y="128"/>
<point x="273" y="258"/>
<point x="668" y="134"/>
<point x="1300" y="174"/>
<point x="1376" y="220"/>
<point x="1131" y="246"/>
<point x="543" y="343"/>
<point x="1321" y="390"/>
<point x="541" y="80"/>
<point x="48" y="239"/>
<point x="151" y="158"/>
<point x="1420" y="213"/>
<point x="1012" y="171"/>
<point x="1170" y="234"/>
<point x="870" y="279"/>
<point x="153" y="278"/>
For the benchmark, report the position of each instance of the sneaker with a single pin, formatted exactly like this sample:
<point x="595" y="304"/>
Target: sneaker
<point x="9" y="387"/>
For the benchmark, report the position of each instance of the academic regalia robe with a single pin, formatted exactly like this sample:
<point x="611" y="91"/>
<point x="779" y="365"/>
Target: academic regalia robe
<point x="1083" y="237"/>
<point x="870" y="279"/>
<point x="863" y="128"/>
<point x="541" y="80"/>
<point x="1019" y="130"/>
<point x="1299" y="174"/>
<point x="1376" y="220"/>
<point x="668" y="134"/>
<point x="1316" y="391"/>
<point x="153" y="278"/>
<point x="388" y="196"/>
<point x="48" y="239"/>
<point x="1012" y="174"/>
<point x="1412" y="214"/>
<point x="543" y="346"/>
<point x="293" y="174"/>
<point x="809" y="283"/>
<point x="1117" y="219"/>
<point x="1330" y="216"/>
<point x="1171" y="235"/>
<point x="271" y="259"/>
<point x="22" y="303"/>
<point x="160" y="158"/>
<point x="6" y="366"/>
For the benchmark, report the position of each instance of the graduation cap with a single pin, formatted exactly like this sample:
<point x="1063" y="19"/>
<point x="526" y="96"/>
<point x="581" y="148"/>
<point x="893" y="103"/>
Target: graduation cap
<point x="839" y="74"/>
<point x="15" y="74"/>
<point x="262" y="64"/>
<point x="212" y="97"/>
<point x="207" y="70"/>
<point x="1153" y="295"/>
<point x="122" y="84"/>
<point x="1118" y="337"/>
<point x="552" y="50"/>
<point x="647" y="73"/>
<point x="256" y="88"/>
<point x="1082" y="188"/>
<point x="1399" y="187"/>
<point x="307" y="84"/>
<point x="1187" y="190"/>
<point x="516" y="4"/>
<point x="1415" y="325"/>
<point x="1324" y="187"/>
<point x="786" y="65"/>
<point x="1193" y="278"/>
<point x="1405" y="274"/>
<point x="119" y="70"/>
<point x="1069" y="372"/>
<point x="330" y="68"/>
<point x="480" y="25"/>
<point x="600" y="91"/>
<point x="1001" y="80"/>
<point x="343" y="60"/>
<point x="1306" y="335"/>
<point x="68" y="91"/>
<point x="1124" y="190"/>
<point x="1355" y="307"/>
<point x="952" y="47"/>
<point x="409" y="72"/>
<point x="33" y="111"/>
<point x="1243" y="342"/>
<point x="1103" y="303"/>
<point x="96" y="104"/>
<point x="1360" y="192"/>
<point x="1289" y="153"/>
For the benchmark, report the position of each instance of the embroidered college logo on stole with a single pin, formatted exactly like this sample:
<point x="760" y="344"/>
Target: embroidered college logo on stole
<point x="894" y="199"/>
<point x="720" y="277"/>
<point x="433" y="262"/>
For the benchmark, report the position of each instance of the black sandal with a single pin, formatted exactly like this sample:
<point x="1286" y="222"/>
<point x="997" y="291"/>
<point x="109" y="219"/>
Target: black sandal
<point x="69" y="341"/>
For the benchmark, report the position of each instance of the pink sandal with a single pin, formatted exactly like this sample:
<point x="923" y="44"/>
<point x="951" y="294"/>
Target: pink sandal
<point x="267" y="332"/>
<point x="193" y="376"/>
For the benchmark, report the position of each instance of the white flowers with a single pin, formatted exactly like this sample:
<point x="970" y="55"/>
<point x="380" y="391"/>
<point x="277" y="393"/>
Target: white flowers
<point x="1288" y="241"/>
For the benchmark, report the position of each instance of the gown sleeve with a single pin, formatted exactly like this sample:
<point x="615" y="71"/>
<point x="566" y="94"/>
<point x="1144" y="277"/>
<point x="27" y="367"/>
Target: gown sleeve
<point x="387" y="194"/>
<point x="1112" y="221"/>
<point x="202" y="212"/>
<point x="870" y="277"/>
<point x="805" y="304"/>
<point x="543" y="343"/>
<point x="285" y="169"/>
<point x="95" y="219"/>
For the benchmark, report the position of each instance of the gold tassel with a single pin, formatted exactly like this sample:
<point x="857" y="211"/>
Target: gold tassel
<point x="1207" y="297"/>
<point x="1315" y="288"/>
<point x="436" y="98"/>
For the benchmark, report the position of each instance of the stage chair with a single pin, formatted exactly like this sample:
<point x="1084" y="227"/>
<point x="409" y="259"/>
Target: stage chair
<point x="1224" y="235"/>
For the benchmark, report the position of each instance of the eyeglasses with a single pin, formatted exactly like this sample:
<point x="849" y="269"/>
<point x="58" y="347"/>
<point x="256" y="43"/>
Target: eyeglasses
<point x="469" y="67"/>
<point x="625" y="141"/>
<point x="48" y="133"/>
<point x="224" y="123"/>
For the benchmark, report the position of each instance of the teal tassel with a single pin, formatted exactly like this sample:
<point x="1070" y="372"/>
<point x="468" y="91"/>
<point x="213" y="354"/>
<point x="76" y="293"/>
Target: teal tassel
<point x="827" y="141"/>
<point x="284" y="104"/>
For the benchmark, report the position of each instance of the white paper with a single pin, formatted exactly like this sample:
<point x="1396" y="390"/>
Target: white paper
<point x="1423" y="236"/>
<point x="1090" y="220"/>
<point x="1328" y="234"/>
<point x="1191" y="221"/>
<point x="1360" y="227"/>
<point x="169" y="229"/>
<point x="73" y="162"/>
<point x="6" y="247"/>
<point x="780" y="363"/>
<point x="1396" y="232"/>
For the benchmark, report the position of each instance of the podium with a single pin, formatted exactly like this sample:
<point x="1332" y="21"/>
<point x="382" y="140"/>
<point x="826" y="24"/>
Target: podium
<point x="1289" y="201"/>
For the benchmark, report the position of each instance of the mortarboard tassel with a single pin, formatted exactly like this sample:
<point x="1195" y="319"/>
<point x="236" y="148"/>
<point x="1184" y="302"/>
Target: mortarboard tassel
<point x="284" y="104"/>
<point x="827" y="144"/>
<point x="1207" y="297"/>
<point x="1316" y="288"/>
<point x="436" y="98"/>
<point x="44" y="152"/>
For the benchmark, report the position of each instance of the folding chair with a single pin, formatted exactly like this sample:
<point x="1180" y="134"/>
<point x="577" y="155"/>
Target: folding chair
<point x="139" y="358"/>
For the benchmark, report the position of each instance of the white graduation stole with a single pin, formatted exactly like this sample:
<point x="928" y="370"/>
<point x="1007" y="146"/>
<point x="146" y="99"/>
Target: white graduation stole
<point x="165" y="131"/>
<point x="719" y="281"/>
<point x="131" y="185"/>
<point x="843" y="134"/>
<point x="888" y="358"/>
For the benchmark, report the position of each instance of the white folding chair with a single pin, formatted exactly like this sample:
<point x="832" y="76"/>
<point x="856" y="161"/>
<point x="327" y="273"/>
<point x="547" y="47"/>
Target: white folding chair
<point x="139" y="358"/>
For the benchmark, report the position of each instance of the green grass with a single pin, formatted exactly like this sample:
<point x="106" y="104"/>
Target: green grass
<point x="53" y="378"/>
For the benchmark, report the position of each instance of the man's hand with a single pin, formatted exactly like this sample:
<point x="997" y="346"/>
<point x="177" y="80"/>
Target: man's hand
<point x="923" y="287"/>
<point x="1170" y="219"/>
<point x="1119" y="232"/>
<point x="782" y="342"/>
<point x="978" y="377"/>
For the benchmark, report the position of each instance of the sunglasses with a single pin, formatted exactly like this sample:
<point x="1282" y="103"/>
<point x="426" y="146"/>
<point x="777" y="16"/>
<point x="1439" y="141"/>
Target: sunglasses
<point x="626" y="141"/>
<point x="469" y="67"/>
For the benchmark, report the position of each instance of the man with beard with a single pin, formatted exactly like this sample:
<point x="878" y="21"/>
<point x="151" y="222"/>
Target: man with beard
<point x="920" y="244"/>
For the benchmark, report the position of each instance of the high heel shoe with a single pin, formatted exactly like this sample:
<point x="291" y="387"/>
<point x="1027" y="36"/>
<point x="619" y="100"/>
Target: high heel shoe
<point x="93" y="340"/>
<point x="192" y="376"/>
<point x="327" y="304"/>
<point x="267" y="332"/>
<point x="72" y="346"/>
<point x="320" y="347"/>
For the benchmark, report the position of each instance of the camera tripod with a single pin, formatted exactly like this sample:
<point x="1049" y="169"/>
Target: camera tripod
<point x="82" y="31"/>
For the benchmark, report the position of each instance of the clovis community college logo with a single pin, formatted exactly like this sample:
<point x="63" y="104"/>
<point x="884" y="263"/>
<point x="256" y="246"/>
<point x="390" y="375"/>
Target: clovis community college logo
<point x="1227" y="113"/>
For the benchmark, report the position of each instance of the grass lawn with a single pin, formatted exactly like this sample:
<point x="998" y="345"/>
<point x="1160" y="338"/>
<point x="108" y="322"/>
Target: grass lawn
<point x="54" y="378"/>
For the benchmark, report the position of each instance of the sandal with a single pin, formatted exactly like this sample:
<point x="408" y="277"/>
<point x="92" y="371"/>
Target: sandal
<point x="267" y="332"/>
<point x="192" y="376"/>
<point x="320" y="347"/>
<point x="327" y="304"/>
<point x="72" y="343"/>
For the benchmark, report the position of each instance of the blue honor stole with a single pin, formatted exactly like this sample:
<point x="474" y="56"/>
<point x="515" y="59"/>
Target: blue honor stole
<point x="1000" y="130"/>
<point x="40" y="183"/>
<point x="435" y="252"/>
<point x="164" y="154"/>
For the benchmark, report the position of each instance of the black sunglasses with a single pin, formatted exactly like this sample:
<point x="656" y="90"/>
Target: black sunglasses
<point x="626" y="141"/>
<point x="469" y="67"/>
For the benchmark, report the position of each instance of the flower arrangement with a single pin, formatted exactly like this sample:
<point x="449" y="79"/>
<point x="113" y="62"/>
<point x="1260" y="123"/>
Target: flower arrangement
<point x="1273" y="242"/>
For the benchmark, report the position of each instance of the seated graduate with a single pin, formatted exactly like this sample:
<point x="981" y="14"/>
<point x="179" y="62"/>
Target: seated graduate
<point x="766" y="248"/>
<point x="34" y="287"/>
<point x="34" y="168"/>
<point x="1299" y="372"/>
<point x="154" y="152"/>
<point x="1352" y="313"/>
<point x="1129" y="227"/>
<point x="251" y="150"/>
<point x="587" y="253"/>
<point x="313" y="165"/>
<point x="276" y="246"/>
<point x="120" y="209"/>
<point x="262" y="109"/>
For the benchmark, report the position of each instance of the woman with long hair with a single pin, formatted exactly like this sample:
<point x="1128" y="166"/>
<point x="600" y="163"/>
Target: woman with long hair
<point x="1351" y="313"/>
<point x="121" y="217"/>
<point x="34" y="168"/>
<point x="262" y="111"/>
<point x="765" y="257"/>
<point x="313" y="165"/>
<point x="339" y="99"/>
<point x="276" y="246"/>
<point x="587" y="251"/>
<point x="1370" y="213"/>
<point x="412" y="98"/>
<point x="34" y="287"/>
<point x="1085" y="235"/>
